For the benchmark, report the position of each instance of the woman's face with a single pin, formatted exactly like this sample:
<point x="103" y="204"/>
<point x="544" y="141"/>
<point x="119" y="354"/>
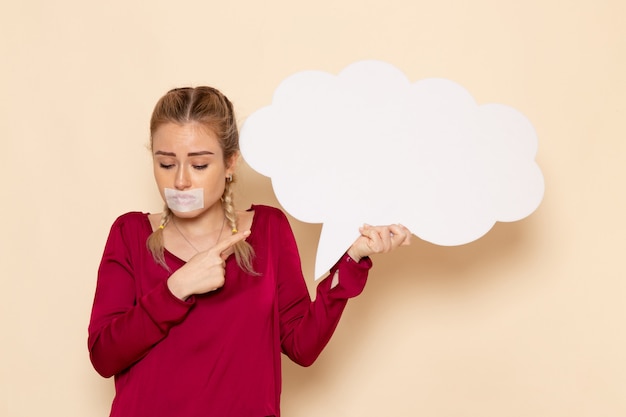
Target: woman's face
<point x="189" y="157"/>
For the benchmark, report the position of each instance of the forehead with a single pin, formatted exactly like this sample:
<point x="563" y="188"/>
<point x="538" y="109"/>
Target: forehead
<point x="187" y="137"/>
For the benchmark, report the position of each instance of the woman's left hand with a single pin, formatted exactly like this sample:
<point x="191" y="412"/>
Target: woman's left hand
<point x="379" y="239"/>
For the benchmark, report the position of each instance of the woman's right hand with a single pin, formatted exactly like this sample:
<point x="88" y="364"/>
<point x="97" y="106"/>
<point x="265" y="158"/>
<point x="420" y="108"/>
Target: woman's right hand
<point x="205" y="271"/>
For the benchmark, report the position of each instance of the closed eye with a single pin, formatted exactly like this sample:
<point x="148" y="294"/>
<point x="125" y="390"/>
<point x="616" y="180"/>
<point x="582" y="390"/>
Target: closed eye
<point x="200" y="167"/>
<point x="166" y="166"/>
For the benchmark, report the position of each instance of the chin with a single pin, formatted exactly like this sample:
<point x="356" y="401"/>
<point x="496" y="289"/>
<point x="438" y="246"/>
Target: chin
<point x="187" y="214"/>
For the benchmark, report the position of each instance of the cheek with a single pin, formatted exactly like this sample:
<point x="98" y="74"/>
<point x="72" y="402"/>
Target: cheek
<point x="161" y="179"/>
<point x="158" y="177"/>
<point x="215" y="189"/>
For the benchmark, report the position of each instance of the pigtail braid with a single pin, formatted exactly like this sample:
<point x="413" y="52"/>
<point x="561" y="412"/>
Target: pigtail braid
<point x="243" y="251"/>
<point x="155" y="242"/>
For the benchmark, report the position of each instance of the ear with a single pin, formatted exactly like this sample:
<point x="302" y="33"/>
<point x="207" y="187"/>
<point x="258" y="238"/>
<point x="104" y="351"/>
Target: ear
<point x="231" y="164"/>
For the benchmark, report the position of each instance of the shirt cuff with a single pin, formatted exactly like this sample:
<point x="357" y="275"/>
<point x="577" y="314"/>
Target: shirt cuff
<point x="352" y="276"/>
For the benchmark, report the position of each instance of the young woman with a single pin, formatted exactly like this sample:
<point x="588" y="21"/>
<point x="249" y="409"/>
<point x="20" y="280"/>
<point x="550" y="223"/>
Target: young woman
<point x="194" y="305"/>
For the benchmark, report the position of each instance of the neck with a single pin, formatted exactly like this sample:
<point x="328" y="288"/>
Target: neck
<point x="203" y="239"/>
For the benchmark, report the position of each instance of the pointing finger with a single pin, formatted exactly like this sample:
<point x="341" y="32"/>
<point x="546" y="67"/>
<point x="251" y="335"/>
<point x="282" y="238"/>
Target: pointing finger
<point x="229" y="242"/>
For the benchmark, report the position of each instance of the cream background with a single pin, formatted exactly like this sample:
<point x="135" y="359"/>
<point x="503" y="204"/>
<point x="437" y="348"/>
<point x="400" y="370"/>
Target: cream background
<point x="527" y="321"/>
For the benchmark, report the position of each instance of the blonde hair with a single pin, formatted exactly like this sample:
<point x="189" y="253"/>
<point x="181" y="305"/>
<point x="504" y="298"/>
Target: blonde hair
<point x="208" y="106"/>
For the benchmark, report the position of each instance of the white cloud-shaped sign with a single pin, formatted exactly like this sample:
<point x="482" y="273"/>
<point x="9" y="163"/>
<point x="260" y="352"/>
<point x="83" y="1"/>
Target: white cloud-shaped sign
<point x="369" y="146"/>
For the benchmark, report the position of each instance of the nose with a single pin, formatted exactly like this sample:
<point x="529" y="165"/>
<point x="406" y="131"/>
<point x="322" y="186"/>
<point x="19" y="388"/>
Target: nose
<point x="182" y="179"/>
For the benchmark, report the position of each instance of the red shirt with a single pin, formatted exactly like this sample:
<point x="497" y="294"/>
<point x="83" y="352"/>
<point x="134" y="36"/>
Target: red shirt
<point x="216" y="354"/>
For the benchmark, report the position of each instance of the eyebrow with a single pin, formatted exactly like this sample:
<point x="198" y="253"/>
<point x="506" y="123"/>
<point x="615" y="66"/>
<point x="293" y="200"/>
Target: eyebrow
<point x="189" y="154"/>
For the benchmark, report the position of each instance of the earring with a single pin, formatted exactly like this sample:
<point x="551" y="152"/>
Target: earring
<point x="229" y="178"/>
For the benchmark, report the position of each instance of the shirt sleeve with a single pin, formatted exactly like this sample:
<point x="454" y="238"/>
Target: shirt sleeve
<point x="306" y="326"/>
<point x="123" y="325"/>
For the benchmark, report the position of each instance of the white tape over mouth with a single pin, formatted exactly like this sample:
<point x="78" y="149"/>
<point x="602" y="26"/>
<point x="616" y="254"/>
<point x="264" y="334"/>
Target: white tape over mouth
<point x="184" y="201"/>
